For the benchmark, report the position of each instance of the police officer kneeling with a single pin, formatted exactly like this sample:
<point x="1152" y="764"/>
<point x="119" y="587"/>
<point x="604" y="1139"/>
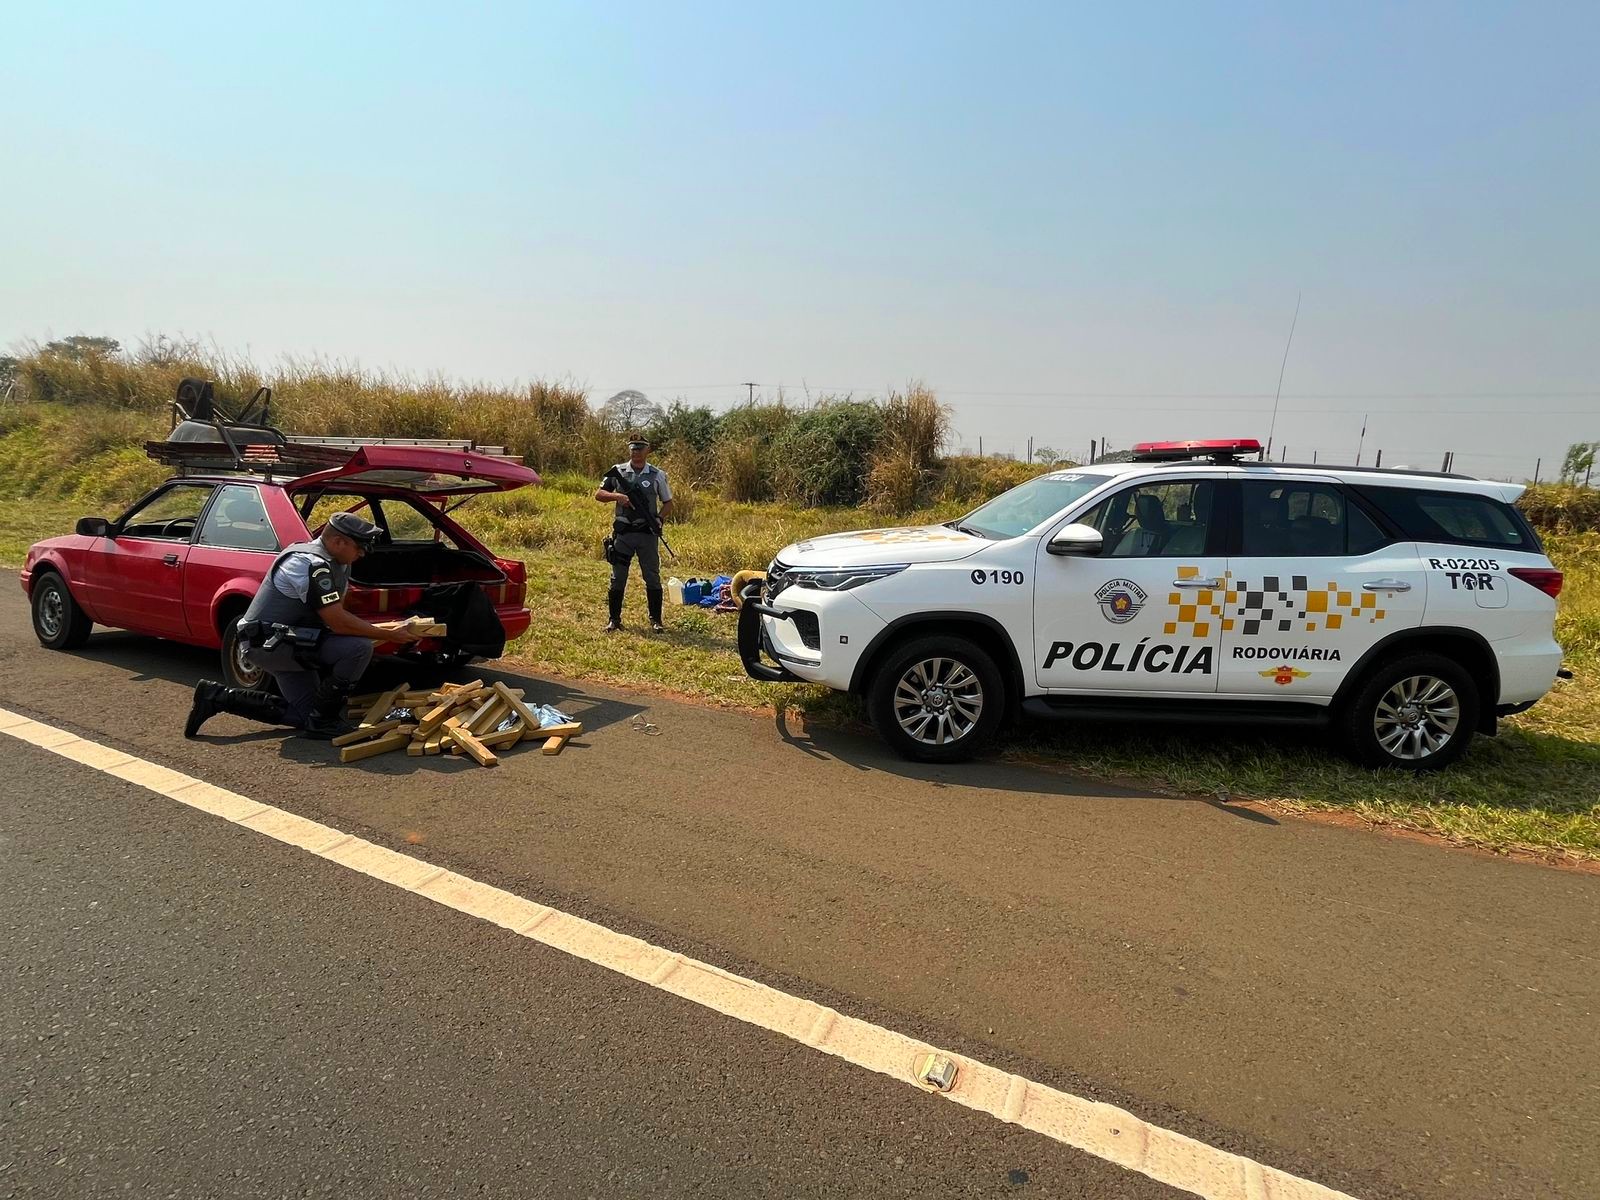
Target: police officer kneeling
<point x="297" y="630"/>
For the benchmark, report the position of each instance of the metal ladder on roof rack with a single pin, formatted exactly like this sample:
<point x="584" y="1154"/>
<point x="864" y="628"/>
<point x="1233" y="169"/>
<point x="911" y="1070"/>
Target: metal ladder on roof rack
<point x="353" y="443"/>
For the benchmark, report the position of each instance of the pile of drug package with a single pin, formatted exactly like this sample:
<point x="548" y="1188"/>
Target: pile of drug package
<point x="472" y="719"/>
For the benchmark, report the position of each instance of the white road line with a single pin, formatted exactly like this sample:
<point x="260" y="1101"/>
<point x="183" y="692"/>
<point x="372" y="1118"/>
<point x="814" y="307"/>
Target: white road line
<point x="1099" y="1129"/>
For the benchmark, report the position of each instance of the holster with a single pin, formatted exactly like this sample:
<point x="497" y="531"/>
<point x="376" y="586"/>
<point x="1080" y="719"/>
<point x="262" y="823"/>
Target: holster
<point x="302" y="640"/>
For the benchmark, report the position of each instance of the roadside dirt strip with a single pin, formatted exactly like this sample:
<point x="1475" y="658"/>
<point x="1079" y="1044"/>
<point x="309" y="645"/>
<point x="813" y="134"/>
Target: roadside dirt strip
<point x="1100" y="1129"/>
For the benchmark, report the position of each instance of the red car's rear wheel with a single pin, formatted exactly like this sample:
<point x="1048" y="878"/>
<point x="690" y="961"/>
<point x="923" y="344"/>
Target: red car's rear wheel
<point x="238" y="671"/>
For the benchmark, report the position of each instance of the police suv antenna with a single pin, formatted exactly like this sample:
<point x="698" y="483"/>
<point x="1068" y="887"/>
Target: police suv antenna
<point x="1276" y="396"/>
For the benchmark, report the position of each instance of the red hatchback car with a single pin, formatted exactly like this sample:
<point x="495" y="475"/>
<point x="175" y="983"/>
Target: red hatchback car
<point x="184" y="561"/>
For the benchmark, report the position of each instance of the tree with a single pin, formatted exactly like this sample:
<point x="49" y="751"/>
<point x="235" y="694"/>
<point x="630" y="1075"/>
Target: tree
<point x="696" y="427"/>
<point x="1579" y="460"/>
<point x="8" y="370"/>
<point x="1047" y="455"/>
<point x="80" y="346"/>
<point x="630" y="410"/>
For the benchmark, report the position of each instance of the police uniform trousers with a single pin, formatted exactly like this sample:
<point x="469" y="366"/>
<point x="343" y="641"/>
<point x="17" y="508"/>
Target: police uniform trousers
<point x="338" y="657"/>
<point x="640" y="544"/>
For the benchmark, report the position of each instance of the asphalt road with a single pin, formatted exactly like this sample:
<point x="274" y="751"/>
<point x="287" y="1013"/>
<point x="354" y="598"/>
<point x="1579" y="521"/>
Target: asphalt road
<point x="1387" y="1017"/>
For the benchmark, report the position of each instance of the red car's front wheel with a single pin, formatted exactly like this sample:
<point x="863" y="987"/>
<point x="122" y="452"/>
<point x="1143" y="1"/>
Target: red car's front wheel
<point x="58" y="622"/>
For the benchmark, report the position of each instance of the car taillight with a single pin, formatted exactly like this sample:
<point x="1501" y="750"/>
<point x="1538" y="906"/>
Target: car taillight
<point x="1546" y="580"/>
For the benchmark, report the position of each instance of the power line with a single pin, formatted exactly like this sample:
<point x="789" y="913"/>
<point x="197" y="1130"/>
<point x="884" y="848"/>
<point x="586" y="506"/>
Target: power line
<point x="1110" y="395"/>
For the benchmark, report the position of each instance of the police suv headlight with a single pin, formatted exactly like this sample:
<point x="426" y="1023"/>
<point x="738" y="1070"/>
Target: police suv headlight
<point x="840" y="579"/>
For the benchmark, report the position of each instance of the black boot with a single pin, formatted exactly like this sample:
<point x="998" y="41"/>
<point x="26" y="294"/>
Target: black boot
<point x="652" y="599"/>
<point x="326" y="719"/>
<point x="204" y="706"/>
<point x="614" y="607"/>
<point x="211" y="698"/>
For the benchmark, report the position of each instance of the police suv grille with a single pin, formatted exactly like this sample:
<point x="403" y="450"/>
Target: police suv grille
<point x="777" y="580"/>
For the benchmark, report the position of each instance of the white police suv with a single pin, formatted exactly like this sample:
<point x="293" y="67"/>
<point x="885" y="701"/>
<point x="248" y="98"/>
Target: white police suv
<point x="1404" y="609"/>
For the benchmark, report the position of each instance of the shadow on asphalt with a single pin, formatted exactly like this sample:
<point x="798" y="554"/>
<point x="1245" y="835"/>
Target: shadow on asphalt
<point x="146" y="658"/>
<point x="865" y="752"/>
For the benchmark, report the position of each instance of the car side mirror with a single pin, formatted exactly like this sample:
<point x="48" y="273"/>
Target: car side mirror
<point x="1076" y="539"/>
<point x="94" y="527"/>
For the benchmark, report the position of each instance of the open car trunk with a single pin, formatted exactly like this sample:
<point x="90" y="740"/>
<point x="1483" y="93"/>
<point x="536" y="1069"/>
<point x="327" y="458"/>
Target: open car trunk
<point x="422" y="564"/>
<point x="426" y="565"/>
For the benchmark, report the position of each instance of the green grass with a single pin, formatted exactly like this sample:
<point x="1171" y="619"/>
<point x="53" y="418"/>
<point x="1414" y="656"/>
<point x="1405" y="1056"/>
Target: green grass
<point x="1536" y="788"/>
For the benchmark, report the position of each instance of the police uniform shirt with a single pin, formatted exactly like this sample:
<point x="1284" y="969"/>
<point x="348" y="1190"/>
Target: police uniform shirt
<point x="652" y="480"/>
<point x="306" y="578"/>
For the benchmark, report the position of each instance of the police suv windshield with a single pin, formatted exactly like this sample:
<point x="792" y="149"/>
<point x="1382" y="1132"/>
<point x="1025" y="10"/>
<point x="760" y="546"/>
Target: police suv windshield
<point x="1013" y="513"/>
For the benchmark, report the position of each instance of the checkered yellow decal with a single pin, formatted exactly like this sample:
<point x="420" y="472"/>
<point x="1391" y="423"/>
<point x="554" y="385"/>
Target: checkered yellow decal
<point x="1195" y="613"/>
<point x="1269" y="607"/>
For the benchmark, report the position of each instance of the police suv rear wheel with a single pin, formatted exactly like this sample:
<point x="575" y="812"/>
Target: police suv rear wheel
<point x="1417" y="714"/>
<point x="937" y="699"/>
<point x="58" y="622"/>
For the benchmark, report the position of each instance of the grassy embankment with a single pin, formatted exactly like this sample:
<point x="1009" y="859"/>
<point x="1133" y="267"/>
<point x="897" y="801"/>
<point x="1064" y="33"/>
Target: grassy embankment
<point x="1537" y="787"/>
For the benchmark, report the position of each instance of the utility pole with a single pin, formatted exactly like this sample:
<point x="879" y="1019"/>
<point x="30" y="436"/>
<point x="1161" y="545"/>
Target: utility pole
<point x="1379" y="463"/>
<point x="1030" y="449"/>
<point x="1537" y="463"/>
<point x="751" y="398"/>
<point x="980" y="445"/>
<point x="1091" y="451"/>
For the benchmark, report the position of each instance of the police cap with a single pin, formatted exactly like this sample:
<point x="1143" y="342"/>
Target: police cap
<point x="362" y="533"/>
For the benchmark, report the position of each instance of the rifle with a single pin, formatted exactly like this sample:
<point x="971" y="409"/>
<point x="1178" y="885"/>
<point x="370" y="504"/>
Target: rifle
<point x="639" y="502"/>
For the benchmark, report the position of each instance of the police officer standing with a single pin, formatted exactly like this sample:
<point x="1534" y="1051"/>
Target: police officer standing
<point x="297" y="630"/>
<point x="642" y="496"/>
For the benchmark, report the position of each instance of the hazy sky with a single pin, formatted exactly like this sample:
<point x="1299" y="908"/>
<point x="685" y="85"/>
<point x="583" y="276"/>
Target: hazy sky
<point x="1073" y="221"/>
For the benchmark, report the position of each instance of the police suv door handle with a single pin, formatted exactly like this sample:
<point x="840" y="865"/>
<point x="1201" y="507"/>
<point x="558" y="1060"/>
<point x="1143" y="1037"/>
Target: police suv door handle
<point x="1197" y="583"/>
<point x="1386" y="585"/>
<point x="171" y="560"/>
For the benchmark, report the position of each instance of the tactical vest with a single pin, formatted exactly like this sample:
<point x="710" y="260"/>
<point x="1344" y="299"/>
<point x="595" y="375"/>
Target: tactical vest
<point x="274" y="608"/>
<point x="629" y="520"/>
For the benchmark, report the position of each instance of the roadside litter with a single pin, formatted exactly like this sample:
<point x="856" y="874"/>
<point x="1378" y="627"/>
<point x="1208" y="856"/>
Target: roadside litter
<point x="472" y="719"/>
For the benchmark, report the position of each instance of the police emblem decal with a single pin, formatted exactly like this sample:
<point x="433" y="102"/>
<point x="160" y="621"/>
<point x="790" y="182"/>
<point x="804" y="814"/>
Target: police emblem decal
<point x="1120" y="600"/>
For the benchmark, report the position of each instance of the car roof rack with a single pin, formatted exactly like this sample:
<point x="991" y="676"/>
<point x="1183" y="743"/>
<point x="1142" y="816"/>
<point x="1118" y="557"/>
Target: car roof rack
<point x="206" y="439"/>
<point x="1305" y="466"/>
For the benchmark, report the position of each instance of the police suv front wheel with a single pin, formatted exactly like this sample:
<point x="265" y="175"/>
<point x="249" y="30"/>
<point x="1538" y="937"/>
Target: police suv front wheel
<point x="1417" y="714"/>
<point x="937" y="699"/>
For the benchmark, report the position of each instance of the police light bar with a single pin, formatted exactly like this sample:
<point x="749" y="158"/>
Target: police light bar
<point x="1217" y="449"/>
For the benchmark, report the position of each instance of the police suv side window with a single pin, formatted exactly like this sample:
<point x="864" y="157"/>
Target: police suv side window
<point x="237" y="520"/>
<point x="1466" y="518"/>
<point x="1287" y="518"/>
<point x="1169" y="519"/>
